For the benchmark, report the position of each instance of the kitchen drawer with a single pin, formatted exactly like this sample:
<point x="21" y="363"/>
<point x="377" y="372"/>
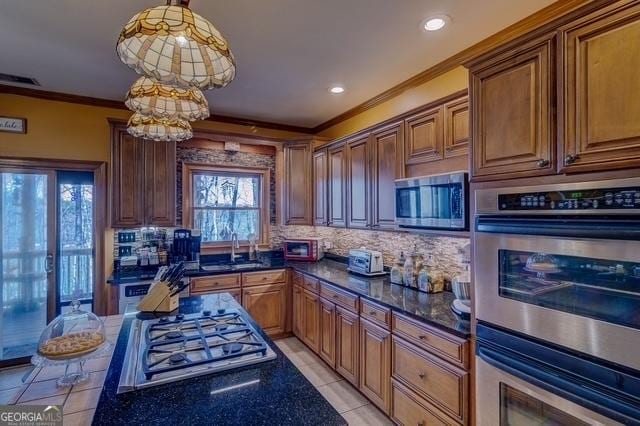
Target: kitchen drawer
<point x="339" y="297"/>
<point x="375" y="313"/>
<point x="448" y="347"/>
<point x="311" y="284"/>
<point x="210" y="284"/>
<point x="264" y="277"/>
<point x="408" y="409"/>
<point x="440" y="383"/>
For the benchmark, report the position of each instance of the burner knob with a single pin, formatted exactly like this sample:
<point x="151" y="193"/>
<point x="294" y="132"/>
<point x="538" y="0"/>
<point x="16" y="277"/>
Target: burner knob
<point x="206" y="313"/>
<point x="180" y="317"/>
<point x="164" y="319"/>
<point x="221" y="311"/>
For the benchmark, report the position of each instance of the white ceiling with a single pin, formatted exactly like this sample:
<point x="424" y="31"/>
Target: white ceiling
<point x="288" y="52"/>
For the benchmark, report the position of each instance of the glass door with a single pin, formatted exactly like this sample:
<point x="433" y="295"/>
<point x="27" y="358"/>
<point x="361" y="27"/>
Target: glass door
<point x="27" y="253"/>
<point x="75" y="272"/>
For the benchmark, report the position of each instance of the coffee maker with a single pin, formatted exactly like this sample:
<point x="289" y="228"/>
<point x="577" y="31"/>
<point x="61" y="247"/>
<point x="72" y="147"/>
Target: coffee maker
<point x="186" y="248"/>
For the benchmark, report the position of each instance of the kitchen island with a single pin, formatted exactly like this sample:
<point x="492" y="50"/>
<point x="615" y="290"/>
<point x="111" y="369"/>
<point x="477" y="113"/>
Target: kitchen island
<point x="273" y="392"/>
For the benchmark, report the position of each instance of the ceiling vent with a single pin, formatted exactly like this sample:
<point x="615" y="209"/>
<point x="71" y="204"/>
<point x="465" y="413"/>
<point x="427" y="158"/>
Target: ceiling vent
<point x="18" y="79"/>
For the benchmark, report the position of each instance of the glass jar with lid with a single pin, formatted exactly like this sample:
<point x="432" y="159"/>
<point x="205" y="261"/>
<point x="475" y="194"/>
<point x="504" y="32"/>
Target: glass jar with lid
<point x="72" y="338"/>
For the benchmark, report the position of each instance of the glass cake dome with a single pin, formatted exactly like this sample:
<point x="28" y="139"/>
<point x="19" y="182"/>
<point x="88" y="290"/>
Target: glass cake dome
<point x="71" y="338"/>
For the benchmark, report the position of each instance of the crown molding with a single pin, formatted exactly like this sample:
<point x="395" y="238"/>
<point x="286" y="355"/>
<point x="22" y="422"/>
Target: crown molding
<point x="108" y="103"/>
<point x="543" y="17"/>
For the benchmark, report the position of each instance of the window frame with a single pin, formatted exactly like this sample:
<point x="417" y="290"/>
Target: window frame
<point x="264" y="209"/>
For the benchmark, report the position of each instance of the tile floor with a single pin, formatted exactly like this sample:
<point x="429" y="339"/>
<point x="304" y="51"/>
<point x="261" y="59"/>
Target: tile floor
<point x="350" y="403"/>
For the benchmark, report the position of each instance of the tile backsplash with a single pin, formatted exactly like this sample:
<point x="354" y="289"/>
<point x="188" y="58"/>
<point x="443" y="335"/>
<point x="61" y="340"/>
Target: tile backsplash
<point x="444" y="251"/>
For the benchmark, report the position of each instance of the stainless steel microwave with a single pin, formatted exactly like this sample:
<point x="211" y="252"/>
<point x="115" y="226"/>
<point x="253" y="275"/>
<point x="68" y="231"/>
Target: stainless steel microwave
<point x="439" y="202"/>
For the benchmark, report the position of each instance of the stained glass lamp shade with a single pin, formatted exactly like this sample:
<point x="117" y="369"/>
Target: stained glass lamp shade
<point x="150" y="98"/>
<point x="178" y="47"/>
<point x="162" y="129"/>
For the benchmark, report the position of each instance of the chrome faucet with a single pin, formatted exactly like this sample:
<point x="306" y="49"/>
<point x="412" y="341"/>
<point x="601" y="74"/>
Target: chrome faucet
<point x="235" y="244"/>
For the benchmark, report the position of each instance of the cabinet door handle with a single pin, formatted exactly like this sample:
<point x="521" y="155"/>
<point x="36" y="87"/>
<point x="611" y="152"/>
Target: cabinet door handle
<point x="422" y="375"/>
<point x="421" y="423"/>
<point x="570" y="159"/>
<point x="543" y="163"/>
<point x="422" y="337"/>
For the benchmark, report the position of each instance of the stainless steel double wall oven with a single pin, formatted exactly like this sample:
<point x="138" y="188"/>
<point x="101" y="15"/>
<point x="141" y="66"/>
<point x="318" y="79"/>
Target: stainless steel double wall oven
<point x="557" y="290"/>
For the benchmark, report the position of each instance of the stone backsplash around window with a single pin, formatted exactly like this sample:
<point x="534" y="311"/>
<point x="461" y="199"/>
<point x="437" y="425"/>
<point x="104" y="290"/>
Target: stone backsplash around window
<point x="444" y="251"/>
<point x="219" y="157"/>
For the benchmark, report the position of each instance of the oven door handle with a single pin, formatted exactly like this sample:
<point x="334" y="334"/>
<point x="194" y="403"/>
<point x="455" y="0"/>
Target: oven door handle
<point x="611" y="228"/>
<point x="560" y="383"/>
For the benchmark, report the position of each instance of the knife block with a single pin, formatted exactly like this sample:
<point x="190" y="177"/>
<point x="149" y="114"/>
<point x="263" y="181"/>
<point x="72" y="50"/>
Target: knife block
<point x="159" y="299"/>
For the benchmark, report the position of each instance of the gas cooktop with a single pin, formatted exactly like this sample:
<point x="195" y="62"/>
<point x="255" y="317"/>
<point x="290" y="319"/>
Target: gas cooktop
<point x="174" y="348"/>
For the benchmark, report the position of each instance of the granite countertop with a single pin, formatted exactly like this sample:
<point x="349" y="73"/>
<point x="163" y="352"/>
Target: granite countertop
<point x="282" y="396"/>
<point x="434" y="309"/>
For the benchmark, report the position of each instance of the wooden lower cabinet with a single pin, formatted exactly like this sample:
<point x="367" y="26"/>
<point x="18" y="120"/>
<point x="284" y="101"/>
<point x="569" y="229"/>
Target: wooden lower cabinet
<point x="347" y="347"/>
<point x="298" y="316"/>
<point x="375" y="363"/>
<point x="408" y="409"/>
<point x="436" y="381"/>
<point x="310" y="333"/>
<point x="328" y="332"/>
<point x="267" y="305"/>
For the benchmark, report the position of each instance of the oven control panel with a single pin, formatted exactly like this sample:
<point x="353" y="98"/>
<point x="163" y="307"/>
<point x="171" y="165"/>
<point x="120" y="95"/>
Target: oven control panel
<point x="590" y="199"/>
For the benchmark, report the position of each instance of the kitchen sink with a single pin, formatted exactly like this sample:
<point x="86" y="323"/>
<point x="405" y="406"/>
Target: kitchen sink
<point x="247" y="265"/>
<point x="230" y="266"/>
<point x="216" y="268"/>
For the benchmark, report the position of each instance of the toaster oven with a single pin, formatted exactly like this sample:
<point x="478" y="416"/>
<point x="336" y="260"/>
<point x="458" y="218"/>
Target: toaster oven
<point x="307" y="249"/>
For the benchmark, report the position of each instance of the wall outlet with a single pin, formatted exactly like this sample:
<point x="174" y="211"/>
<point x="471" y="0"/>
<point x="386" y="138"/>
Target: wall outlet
<point x="126" y="237"/>
<point x="327" y="245"/>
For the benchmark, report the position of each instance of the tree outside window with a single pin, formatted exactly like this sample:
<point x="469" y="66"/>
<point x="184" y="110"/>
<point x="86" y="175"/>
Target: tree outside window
<point x="222" y="201"/>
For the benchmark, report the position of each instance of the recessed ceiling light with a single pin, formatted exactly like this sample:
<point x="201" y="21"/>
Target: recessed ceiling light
<point x="336" y="90"/>
<point x="435" y="23"/>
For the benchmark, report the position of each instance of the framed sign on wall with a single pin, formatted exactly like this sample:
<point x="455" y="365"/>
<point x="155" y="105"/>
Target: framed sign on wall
<point x="13" y="124"/>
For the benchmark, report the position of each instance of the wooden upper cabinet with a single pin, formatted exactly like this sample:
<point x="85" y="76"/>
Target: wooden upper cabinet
<point x="298" y="184"/>
<point x="358" y="176"/>
<point x="320" y="187"/>
<point x="160" y="182"/>
<point x="513" y="108"/>
<point x="601" y="59"/>
<point x="143" y="181"/>
<point x="337" y="186"/>
<point x="424" y="137"/>
<point x="127" y="180"/>
<point x="386" y="168"/>
<point x="456" y="127"/>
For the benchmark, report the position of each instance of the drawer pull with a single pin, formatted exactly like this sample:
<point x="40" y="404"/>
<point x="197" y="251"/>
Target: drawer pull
<point x="421" y="423"/>
<point x="264" y="278"/>
<point x="335" y="296"/>
<point x="422" y="337"/>
<point x="422" y="375"/>
<point x="372" y="313"/>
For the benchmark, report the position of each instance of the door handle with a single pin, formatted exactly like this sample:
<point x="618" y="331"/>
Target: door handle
<point x="48" y="263"/>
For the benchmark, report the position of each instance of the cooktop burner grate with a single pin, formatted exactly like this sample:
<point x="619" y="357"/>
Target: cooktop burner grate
<point x="188" y="342"/>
